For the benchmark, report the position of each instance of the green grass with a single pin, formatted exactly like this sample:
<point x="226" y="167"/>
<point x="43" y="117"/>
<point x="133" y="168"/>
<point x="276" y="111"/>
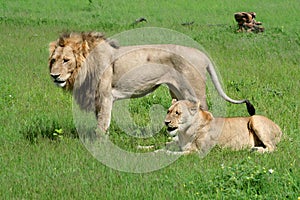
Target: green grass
<point x="36" y="164"/>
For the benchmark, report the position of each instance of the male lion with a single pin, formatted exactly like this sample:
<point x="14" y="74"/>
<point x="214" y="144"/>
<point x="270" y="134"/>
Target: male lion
<point x="197" y="130"/>
<point x="105" y="73"/>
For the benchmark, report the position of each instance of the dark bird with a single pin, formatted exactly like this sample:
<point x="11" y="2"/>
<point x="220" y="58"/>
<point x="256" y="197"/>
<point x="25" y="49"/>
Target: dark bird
<point x="139" y="20"/>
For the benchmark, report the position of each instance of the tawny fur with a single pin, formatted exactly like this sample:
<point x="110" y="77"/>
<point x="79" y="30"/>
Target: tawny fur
<point x="99" y="73"/>
<point x="198" y="130"/>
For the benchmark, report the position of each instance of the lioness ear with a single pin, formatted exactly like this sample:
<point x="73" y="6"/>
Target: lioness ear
<point x="207" y="116"/>
<point x="194" y="108"/>
<point x="52" y="46"/>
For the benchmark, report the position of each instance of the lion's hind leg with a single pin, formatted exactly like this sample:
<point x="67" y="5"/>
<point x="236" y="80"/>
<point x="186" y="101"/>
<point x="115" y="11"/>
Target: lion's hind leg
<point x="265" y="133"/>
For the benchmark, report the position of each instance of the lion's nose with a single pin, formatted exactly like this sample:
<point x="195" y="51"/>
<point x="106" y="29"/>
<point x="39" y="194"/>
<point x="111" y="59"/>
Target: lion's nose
<point x="167" y="123"/>
<point x="55" y="76"/>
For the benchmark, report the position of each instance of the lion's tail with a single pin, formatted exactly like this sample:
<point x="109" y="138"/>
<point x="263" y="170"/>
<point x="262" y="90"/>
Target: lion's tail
<point x="217" y="84"/>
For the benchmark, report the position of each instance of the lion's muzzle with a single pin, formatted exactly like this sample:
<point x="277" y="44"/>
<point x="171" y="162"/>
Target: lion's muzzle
<point x="59" y="82"/>
<point x="54" y="76"/>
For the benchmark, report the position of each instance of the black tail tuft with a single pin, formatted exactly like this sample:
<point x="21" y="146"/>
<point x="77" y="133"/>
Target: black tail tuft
<point x="250" y="108"/>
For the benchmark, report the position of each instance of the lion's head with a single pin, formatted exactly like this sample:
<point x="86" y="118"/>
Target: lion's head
<point x="184" y="114"/>
<point x="67" y="55"/>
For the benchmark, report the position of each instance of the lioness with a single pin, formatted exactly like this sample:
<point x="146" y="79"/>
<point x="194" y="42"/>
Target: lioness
<point x="198" y="130"/>
<point x="105" y="72"/>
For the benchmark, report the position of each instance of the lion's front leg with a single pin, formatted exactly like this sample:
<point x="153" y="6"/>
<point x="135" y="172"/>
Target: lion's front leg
<point x="104" y="100"/>
<point x="104" y="113"/>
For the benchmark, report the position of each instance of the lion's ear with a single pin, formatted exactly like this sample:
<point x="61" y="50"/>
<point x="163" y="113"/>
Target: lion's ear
<point x="52" y="46"/>
<point x="62" y="41"/>
<point x="92" y="38"/>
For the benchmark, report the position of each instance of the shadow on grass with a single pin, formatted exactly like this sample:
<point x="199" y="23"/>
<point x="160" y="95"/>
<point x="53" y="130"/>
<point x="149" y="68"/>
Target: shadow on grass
<point x="46" y="127"/>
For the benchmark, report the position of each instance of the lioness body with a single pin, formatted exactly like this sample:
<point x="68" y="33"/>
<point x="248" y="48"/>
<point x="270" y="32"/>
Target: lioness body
<point x="198" y="130"/>
<point x="104" y="73"/>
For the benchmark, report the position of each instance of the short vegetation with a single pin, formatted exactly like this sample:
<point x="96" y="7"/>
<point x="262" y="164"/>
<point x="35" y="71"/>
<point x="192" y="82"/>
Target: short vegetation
<point x="41" y="155"/>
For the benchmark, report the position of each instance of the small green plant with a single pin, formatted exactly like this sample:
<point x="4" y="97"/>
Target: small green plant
<point x="240" y="180"/>
<point x="261" y="67"/>
<point x="245" y="177"/>
<point x="58" y="134"/>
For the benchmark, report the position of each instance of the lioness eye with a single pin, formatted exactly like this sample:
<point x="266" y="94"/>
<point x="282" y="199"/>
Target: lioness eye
<point x="66" y="60"/>
<point x="177" y="113"/>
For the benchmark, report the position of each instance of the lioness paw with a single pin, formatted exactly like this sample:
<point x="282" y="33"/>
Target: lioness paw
<point x="259" y="149"/>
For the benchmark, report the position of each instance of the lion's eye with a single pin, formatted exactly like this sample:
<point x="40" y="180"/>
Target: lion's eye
<point x="52" y="61"/>
<point x="65" y="60"/>
<point x="177" y="113"/>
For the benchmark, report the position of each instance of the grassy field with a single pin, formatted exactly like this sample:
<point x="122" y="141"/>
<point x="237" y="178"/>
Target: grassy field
<point x="35" y="163"/>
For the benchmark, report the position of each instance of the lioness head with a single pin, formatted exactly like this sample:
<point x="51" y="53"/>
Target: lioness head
<point x="180" y="115"/>
<point x="67" y="55"/>
<point x="184" y="114"/>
